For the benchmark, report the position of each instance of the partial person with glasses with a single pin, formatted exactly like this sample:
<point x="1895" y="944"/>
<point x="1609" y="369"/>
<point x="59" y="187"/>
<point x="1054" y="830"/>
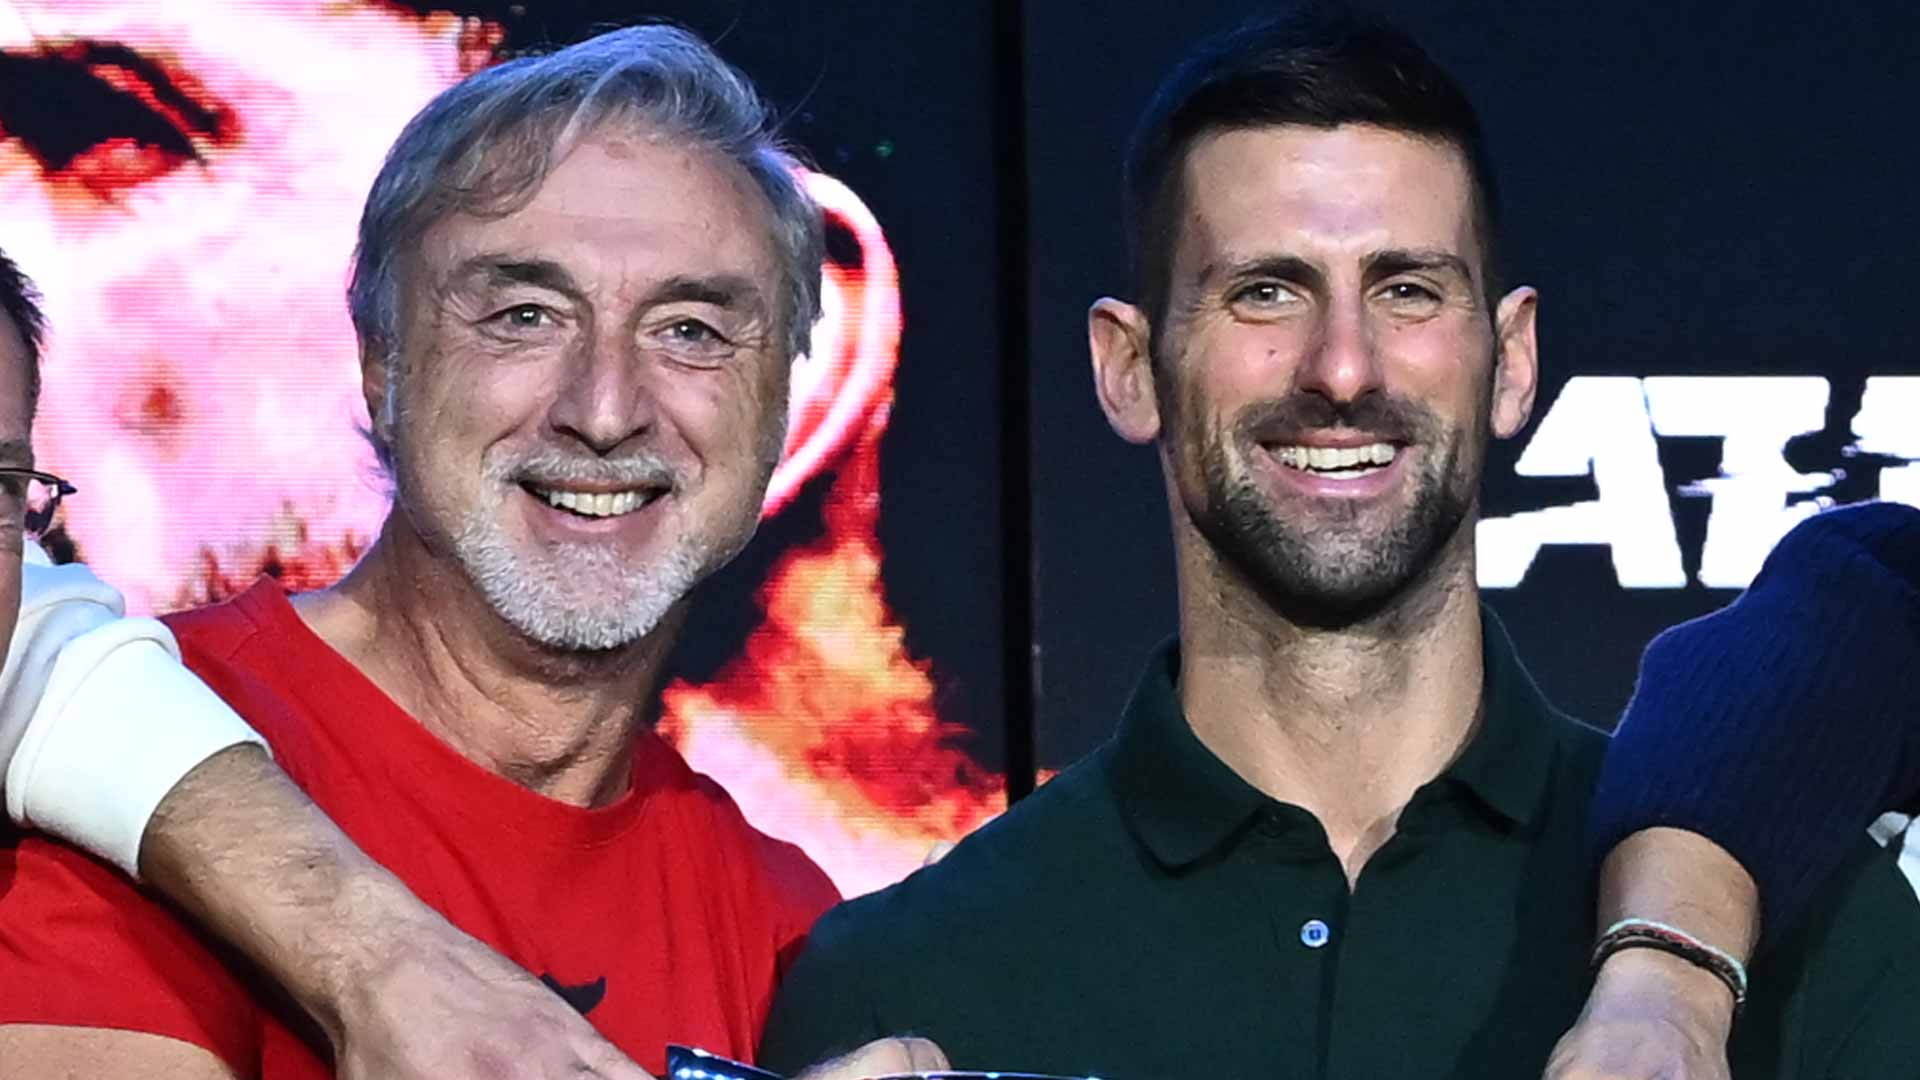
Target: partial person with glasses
<point x="74" y="660"/>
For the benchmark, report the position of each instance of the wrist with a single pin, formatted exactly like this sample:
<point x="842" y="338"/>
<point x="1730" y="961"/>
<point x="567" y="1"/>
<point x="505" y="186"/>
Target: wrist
<point x="350" y="943"/>
<point x="1642" y="981"/>
<point x="1685" y="880"/>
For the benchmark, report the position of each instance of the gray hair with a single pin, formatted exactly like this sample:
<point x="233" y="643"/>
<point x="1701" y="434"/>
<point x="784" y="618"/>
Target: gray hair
<point x="486" y="144"/>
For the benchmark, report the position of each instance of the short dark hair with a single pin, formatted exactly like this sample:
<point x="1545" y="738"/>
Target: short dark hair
<point x="20" y="302"/>
<point x="1317" y="66"/>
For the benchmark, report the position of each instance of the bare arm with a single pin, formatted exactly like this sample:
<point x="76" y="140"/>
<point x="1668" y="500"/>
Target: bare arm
<point x="1651" y="1014"/>
<point x="1682" y="879"/>
<point x="101" y="727"/>
<point x="41" y="1052"/>
<point x="400" y="992"/>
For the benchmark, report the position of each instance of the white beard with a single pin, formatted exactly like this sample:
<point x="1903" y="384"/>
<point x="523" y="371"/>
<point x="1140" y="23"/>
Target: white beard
<point x="573" y="597"/>
<point x="577" y="597"/>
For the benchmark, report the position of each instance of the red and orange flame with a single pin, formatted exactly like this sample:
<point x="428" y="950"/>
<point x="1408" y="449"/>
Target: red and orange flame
<point x="826" y="683"/>
<point x="289" y="555"/>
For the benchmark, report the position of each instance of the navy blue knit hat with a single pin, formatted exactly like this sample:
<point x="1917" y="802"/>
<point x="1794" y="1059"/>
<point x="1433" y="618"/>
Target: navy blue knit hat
<point x="1781" y="725"/>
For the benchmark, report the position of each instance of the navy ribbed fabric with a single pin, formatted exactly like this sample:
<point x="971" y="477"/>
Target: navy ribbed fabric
<point x="1783" y="724"/>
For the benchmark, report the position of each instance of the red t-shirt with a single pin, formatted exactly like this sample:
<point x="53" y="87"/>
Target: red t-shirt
<point x="665" y="911"/>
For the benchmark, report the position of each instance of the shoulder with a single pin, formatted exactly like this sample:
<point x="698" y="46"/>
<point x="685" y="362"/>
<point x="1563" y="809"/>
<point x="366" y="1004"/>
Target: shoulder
<point x="1022" y="866"/>
<point x="254" y="652"/>
<point x="1579" y="751"/>
<point x="1582" y="746"/>
<point x="992" y="908"/>
<point x="1844" y="982"/>
<point x="221" y="630"/>
<point x="708" y="825"/>
<point x="1887" y="531"/>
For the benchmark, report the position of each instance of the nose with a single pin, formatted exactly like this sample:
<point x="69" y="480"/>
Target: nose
<point x="1342" y="364"/>
<point x="606" y="397"/>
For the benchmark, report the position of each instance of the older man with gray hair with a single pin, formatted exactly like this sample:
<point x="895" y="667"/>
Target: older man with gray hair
<point x="581" y="279"/>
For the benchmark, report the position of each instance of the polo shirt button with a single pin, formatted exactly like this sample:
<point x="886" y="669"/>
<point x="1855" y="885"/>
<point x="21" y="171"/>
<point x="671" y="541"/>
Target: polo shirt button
<point x="1315" y="934"/>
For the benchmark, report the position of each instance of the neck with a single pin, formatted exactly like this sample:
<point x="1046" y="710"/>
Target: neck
<point x="1346" y="723"/>
<point x="558" y="723"/>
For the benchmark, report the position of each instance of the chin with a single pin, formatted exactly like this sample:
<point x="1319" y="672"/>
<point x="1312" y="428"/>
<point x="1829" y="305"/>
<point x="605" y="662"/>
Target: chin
<point x="560" y="627"/>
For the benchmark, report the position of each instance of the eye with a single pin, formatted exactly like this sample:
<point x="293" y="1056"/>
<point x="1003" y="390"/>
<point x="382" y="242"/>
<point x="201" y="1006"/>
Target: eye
<point x="694" y="332"/>
<point x="1264" y="294"/>
<point x="692" y="341"/>
<point x="522" y="317"/>
<point x="1409" y="292"/>
<point x="106" y="117"/>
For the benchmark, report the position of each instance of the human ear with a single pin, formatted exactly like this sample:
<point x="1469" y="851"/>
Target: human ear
<point x="1516" y="363"/>
<point x="1119" y="339"/>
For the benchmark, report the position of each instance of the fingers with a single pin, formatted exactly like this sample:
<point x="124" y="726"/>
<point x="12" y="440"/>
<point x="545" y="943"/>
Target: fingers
<point x="882" y="1057"/>
<point x="924" y="1055"/>
<point x="603" y="1062"/>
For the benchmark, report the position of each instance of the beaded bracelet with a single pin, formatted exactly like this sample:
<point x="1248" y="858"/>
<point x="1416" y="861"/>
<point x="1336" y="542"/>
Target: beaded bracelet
<point x="1648" y="934"/>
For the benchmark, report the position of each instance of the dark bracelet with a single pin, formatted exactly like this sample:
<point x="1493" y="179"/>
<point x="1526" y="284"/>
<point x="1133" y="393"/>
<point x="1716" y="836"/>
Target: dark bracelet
<point x="1648" y="934"/>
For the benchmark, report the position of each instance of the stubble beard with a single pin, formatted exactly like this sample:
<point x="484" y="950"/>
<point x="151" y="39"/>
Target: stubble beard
<point x="1346" y="564"/>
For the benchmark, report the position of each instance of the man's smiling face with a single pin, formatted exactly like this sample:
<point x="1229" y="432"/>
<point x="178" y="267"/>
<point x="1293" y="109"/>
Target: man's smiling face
<point x="591" y="390"/>
<point x="1327" y="367"/>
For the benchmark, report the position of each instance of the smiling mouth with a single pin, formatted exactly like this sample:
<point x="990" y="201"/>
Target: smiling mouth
<point x="1338" y="462"/>
<point x="596" y="504"/>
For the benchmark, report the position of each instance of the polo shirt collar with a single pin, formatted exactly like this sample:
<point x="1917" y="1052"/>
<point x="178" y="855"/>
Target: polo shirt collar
<point x="1183" y="802"/>
<point x="1509" y="763"/>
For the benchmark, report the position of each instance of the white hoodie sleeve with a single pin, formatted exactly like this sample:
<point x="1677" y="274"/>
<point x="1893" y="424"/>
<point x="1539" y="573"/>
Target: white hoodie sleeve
<point x="98" y="718"/>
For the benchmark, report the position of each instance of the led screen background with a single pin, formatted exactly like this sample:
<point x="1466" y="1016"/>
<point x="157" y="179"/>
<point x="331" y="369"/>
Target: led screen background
<point x="966" y="570"/>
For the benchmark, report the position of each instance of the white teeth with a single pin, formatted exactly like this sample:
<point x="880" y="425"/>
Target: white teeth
<point x="1333" y="458"/>
<point x="593" y="504"/>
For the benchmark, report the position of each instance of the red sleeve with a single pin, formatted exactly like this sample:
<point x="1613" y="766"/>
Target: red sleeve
<point x="802" y="893"/>
<point x="81" y="946"/>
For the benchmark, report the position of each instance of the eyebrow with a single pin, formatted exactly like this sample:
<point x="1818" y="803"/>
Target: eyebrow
<point x="733" y="291"/>
<point x="498" y="270"/>
<point x="721" y="290"/>
<point x="1398" y="261"/>
<point x="1376" y="265"/>
<point x="16" y="452"/>
<point x="1285" y="267"/>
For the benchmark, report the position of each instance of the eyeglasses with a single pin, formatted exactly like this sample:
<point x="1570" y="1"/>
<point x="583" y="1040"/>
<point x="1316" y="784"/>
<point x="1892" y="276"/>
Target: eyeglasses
<point x="34" y="496"/>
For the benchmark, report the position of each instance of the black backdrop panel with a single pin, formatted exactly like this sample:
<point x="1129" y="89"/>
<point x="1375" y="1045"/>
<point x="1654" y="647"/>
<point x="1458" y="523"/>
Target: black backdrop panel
<point x="1697" y="189"/>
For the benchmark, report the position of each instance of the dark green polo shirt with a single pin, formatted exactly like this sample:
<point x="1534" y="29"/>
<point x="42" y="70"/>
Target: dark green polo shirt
<point x="1150" y="914"/>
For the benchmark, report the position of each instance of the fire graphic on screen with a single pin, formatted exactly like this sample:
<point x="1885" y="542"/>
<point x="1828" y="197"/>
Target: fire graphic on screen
<point x="203" y="387"/>
<point x="824" y="729"/>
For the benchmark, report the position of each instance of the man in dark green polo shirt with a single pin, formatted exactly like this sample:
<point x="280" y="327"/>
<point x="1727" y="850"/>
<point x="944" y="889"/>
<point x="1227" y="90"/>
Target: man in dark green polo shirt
<point x="1339" y="831"/>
